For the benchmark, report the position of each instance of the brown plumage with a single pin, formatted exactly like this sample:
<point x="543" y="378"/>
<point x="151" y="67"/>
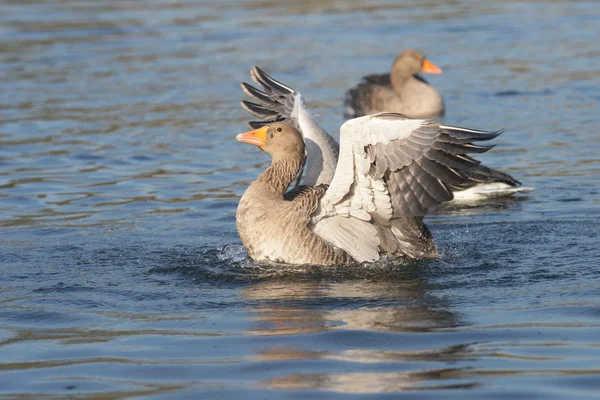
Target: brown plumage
<point x="402" y="91"/>
<point x="273" y="224"/>
<point x="306" y="197"/>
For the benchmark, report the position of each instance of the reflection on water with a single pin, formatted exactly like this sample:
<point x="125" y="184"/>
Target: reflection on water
<point x="292" y="307"/>
<point x="371" y="382"/>
<point x="122" y="273"/>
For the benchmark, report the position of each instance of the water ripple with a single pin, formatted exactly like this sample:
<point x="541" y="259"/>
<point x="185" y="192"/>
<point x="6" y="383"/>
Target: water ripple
<point x="122" y="272"/>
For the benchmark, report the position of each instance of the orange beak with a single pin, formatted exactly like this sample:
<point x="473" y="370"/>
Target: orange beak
<point x="257" y="137"/>
<point x="430" y="68"/>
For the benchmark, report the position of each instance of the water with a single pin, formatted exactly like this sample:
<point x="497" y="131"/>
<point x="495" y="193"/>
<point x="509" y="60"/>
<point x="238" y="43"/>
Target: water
<point x="122" y="274"/>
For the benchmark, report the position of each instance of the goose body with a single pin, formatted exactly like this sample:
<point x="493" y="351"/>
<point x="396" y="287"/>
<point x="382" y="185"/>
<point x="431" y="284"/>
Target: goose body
<point x="402" y="91"/>
<point x="391" y="170"/>
<point x="277" y="231"/>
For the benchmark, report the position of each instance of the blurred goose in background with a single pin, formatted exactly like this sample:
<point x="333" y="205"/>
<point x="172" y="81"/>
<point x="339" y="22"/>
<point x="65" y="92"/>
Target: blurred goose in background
<point x="391" y="170"/>
<point x="278" y="102"/>
<point x="402" y="91"/>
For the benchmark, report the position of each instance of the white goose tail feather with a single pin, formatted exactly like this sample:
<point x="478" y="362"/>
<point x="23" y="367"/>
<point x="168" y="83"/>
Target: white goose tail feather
<point x="488" y="191"/>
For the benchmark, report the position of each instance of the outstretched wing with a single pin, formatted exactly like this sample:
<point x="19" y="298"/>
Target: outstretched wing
<point x="276" y="102"/>
<point x="391" y="171"/>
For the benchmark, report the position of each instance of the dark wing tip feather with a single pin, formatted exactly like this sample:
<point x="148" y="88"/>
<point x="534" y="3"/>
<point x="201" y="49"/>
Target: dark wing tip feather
<point x="257" y="124"/>
<point x="256" y="94"/>
<point x="254" y="77"/>
<point x="273" y="103"/>
<point x="492" y="134"/>
<point x="460" y="148"/>
<point x="484" y="174"/>
<point x="465" y="134"/>
<point x="267" y="82"/>
<point x="257" y="110"/>
<point x="260" y="124"/>
<point x="473" y="148"/>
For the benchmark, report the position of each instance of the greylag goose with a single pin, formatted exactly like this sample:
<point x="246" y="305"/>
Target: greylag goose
<point x="391" y="170"/>
<point x="277" y="102"/>
<point x="403" y="90"/>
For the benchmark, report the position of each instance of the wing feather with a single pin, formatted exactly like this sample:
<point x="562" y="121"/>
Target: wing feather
<point x="259" y="76"/>
<point x="259" y="111"/>
<point x="450" y="160"/>
<point x="460" y="148"/>
<point x="258" y="95"/>
<point x="391" y="171"/>
<point x="445" y="174"/>
<point x="276" y="102"/>
<point x="429" y="189"/>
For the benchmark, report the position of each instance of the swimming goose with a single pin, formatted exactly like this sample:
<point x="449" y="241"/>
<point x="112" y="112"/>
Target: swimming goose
<point x="402" y="91"/>
<point x="278" y="102"/>
<point x="391" y="170"/>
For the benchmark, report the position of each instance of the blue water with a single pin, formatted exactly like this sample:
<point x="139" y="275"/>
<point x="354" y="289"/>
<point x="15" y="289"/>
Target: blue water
<point x="121" y="272"/>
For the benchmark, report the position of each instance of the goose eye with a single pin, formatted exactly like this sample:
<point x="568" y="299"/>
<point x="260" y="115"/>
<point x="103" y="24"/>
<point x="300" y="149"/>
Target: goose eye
<point x="279" y="129"/>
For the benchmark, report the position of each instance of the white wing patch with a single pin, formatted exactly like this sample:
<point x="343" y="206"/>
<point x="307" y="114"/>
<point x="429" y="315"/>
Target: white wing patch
<point x="322" y="157"/>
<point x="357" y="237"/>
<point x="355" y="198"/>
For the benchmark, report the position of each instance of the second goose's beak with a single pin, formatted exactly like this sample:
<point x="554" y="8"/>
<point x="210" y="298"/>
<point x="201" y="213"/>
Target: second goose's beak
<point x="430" y="68"/>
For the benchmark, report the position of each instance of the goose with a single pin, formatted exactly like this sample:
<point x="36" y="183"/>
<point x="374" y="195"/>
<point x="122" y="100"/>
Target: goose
<point x="390" y="171"/>
<point x="278" y="102"/>
<point x="403" y="90"/>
